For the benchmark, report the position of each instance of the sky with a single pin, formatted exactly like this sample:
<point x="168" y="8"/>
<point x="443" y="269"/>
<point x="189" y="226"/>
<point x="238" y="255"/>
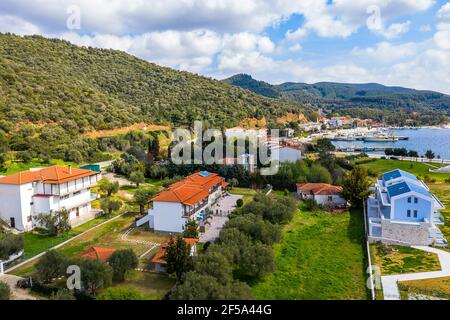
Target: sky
<point x="393" y="42"/>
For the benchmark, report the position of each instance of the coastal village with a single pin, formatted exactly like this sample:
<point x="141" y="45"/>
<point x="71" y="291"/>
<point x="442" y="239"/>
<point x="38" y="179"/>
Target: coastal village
<point x="94" y="212"/>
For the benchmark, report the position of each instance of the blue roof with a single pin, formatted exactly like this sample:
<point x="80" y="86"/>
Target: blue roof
<point x="204" y="173"/>
<point x="397" y="189"/>
<point x="398" y="174"/>
<point x="405" y="187"/>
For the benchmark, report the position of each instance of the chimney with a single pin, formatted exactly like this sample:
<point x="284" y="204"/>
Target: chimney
<point x="70" y="169"/>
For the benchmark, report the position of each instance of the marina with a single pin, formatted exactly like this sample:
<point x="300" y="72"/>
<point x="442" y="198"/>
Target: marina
<point x="418" y="139"/>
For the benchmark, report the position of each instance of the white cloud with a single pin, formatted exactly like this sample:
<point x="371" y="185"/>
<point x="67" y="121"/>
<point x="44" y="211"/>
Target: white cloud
<point x="395" y="30"/>
<point x="17" y="25"/>
<point x="444" y="12"/>
<point x="426" y="28"/>
<point x="442" y="36"/>
<point x="386" y="52"/>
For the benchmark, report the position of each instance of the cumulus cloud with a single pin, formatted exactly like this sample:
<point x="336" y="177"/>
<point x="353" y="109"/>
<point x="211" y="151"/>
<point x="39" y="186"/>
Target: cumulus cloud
<point x="444" y="12"/>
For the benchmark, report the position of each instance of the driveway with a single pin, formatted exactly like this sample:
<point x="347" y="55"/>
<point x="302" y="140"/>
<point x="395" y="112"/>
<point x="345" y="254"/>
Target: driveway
<point x="221" y="210"/>
<point x="17" y="294"/>
<point x="390" y="287"/>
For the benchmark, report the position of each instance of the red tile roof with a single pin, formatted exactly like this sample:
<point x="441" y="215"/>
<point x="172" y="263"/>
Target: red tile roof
<point x="50" y="175"/>
<point x="158" y="258"/>
<point x="319" y="188"/>
<point x="190" y="190"/>
<point x="97" y="253"/>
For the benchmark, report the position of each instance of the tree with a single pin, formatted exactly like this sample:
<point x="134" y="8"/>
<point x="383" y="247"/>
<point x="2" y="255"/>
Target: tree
<point x="198" y="286"/>
<point x="318" y="173"/>
<point x="178" y="257"/>
<point x="121" y="262"/>
<point x="413" y="154"/>
<point x="234" y="182"/>
<point x="108" y="187"/>
<point x="324" y="146"/>
<point x="56" y="222"/>
<point x="95" y="275"/>
<point x="356" y="186"/>
<point x="5" y="291"/>
<point x="137" y="177"/>
<point x="142" y="197"/>
<point x="215" y="264"/>
<point x="52" y="265"/>
<point x="430" y="154"/>
<point x="120" y="294"/>
<point x="191" y="229"/>
<point x="10" y="244"/>
<point x="109" y="205"/>
<point x="256" y="261"/>
<point x="239" y="203"/>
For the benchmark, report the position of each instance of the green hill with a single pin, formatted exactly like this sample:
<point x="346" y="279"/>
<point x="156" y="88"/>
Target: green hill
<point x="53" y="91"/>
<point x="342" y="97"/>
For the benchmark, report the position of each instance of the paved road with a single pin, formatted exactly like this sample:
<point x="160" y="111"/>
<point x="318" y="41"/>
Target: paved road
<point x="224" y="207"/>
<point x="17" y="294"/>
<point x="390" y="287"/>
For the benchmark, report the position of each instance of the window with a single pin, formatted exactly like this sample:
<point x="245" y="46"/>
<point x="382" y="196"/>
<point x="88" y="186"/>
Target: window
<point x="330" y="198"/>
<point x="416" y="200"/>
<point x="408" y="213"/>
<point x="409" y="200"/>
<point x="415" y="213"/>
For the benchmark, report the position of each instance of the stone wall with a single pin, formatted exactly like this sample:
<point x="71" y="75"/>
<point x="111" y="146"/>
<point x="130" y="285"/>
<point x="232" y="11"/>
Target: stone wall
<point x="414" y="234"/>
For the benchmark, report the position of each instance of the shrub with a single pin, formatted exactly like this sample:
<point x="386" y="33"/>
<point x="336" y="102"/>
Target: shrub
<point x="239" y="203"/>
<point x="5" y="291"/>
<point x="10" y="244"/>
<point x="311" y="205"/>
<point x="121" y="262"/>
<point x="52" y="265"/>
<point x="62" y="294"/>
<point x="120" y="294"/>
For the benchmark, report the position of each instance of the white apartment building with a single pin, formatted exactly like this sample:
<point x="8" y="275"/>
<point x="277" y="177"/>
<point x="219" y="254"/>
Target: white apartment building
<point x="25" y="195"/>
<point x="185" y="200"/>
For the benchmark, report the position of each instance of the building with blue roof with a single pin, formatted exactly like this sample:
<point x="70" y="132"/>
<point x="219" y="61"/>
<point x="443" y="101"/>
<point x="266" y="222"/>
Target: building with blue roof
<point x="403" y="211"/>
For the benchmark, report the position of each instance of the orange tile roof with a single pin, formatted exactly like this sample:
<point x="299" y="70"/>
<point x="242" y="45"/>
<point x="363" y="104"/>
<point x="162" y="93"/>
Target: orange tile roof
<point x="190" y="190"/>
<point x="97" y="253"/>
<point x="319" y="188"/>
<point x="159" y="256"/>
<point x="53" y="175"/>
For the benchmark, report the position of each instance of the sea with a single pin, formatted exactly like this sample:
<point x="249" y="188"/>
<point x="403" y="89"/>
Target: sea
<point x="420" y="140"/>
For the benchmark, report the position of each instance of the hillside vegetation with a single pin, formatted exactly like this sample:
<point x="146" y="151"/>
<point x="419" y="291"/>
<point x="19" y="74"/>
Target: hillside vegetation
<point x="52" y="91"/>
<point x="393" y="103"/>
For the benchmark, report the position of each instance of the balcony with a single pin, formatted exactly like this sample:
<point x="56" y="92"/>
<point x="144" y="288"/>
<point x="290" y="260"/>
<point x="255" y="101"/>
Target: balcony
<point x="197" y="207"/>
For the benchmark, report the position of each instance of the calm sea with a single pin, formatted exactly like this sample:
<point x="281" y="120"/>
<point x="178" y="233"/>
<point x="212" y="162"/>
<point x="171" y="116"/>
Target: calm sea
<point x="420" y="140"/>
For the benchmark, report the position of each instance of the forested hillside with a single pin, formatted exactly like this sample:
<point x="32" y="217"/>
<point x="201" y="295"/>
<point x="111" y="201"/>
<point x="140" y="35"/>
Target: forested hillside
<point x="52" y="91"/>
<point x="394" y="103"/>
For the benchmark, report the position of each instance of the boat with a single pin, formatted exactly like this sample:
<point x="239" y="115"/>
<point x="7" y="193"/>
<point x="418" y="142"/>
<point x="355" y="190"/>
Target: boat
<point x="380" y="139"/>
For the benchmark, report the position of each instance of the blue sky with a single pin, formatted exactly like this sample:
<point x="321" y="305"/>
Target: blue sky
<point x="393" y="42"/>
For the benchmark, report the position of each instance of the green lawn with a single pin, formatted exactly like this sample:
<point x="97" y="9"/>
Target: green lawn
<point x="247" y="193"/>
<point x="17" y="166"/>
<point x="380" y="166"/>
<point x="321" y="257"/>
<point x="153" y="286"/>
<point x="399" y="259"/>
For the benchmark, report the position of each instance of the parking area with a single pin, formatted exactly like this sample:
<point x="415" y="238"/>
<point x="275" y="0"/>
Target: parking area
<point x="221" y="210"/>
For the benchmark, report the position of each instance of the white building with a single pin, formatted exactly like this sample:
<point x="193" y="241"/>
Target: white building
<point x="183" y="201"/>
<point x="324" y="194"/>
<point x="26" y="195"/>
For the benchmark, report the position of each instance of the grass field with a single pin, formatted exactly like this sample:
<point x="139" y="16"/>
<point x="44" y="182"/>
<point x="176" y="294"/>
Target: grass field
<point x="247" y="193"/>
<point x="321" y="256"/>
<point x="153" y="286"/>
<point x="17" y="166"/>
<point x="380" y="166"/>
<point x="398" y="259"/>
<point x="438" y="287"/>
